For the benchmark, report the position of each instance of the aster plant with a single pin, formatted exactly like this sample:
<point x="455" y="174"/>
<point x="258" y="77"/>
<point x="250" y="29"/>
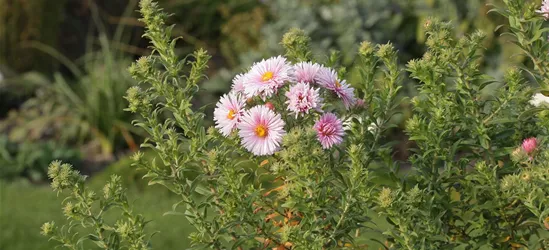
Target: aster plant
<point x="85" y="211"/>
<point x="301" y="159"/>
<point x="282" y="137"/>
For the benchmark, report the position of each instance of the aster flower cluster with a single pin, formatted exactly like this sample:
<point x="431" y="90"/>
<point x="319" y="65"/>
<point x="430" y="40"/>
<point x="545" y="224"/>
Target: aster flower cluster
<point x="273" y="89"/>
<point x="544" y="9"/>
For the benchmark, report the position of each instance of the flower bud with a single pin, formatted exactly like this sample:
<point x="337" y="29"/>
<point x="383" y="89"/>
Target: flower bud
<point x="124" y="229"/>
<point x="385" y="197"/>
<point x="510" y="182"/>
<point x="360" y="103"/>
<point x="137" y="156"/>
<point x="48" y="228"/>
<point x="529" y="145"/>
<point x="526" y="176"/>
<point x="270" y="106"/>
<point x="518" y="155"/>
<point x="69" y="210"/>
<point x="212" y="130"/>
<point x="134" y="96"/>
<point x="366" y="49"/>
<point x="113" y="189"/>
<point x="481" y="166"/>
<point x="386" y="51"/>
<point x="478" y="37"/>
<point x="428" y="24"/>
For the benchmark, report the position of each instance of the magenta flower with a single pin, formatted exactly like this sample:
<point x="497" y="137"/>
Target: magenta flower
<point x="228" y="112"/>
<point x="266" y="77"/>
<point x="544" y="10"/>
<point x="305" y="72"/>
<point x="238" y="83"/>
<point x="261" y="130"/>
<point x="327" y="78"/>
<point x="329" y="130"/>
<point x="302" y="98"/>
<point x="529" y="145"/>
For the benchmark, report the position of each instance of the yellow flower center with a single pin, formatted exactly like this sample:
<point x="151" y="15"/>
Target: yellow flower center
<point x="338" y="84"/>
<point x="261" y="131"/>
<point x="267" y="76"/>
<point x="231" y="114"/>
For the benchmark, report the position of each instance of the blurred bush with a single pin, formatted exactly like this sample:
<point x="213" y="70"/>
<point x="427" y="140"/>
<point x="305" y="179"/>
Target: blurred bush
<point x="88" y="109"/>
<point x="468" y="16"/>
<point x="341" y="25"/>
<point x="22" y="21"/>
<point x="226" y="28"/>
<point x="31" y="159"/>
<point x="79" y="108"/>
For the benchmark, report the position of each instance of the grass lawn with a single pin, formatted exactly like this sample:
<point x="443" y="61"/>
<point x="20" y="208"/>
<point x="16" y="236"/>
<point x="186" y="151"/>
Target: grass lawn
<point x="25" y="207"/>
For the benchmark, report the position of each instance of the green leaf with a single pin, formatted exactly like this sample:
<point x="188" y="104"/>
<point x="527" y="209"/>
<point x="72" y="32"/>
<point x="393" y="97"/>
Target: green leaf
<point x="529" y="113"/>
<point x="173" y="213"/>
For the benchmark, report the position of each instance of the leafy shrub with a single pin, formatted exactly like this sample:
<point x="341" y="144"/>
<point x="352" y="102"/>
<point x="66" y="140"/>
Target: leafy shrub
<point x="29" y="159"/>
<point x="266" y="177"/>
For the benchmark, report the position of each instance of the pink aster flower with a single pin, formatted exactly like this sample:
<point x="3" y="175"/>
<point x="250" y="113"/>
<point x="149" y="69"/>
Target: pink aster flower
<point x="238" y="83"/>
<point x="228" y="112"/>
<point x="266" y="77"/>
<point x="302" y="98"/>
<point x="529" y="145"/>
<point x="544" y="10"/>
<point x="329" y="130"/>
<point x="261" y="130"/>
<point x="327" y="78"/>
<point x="305" y="72"/>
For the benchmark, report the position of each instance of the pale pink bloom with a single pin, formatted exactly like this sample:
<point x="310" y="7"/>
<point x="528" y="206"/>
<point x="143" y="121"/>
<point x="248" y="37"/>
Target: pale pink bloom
<point x="544" y="10"/>
<point x="228" y="112"/>
<point x="327" y="78"/>
<point x="261" y="130"/>
<point x="266" y="77"/>
<point x="305" y="72"/>
<point x="302" y="98"/>
<point x="529" y="145"/>
<point x="360" y="103"/>
<point x="329" y="130"/>
<point x="238" y="83"/>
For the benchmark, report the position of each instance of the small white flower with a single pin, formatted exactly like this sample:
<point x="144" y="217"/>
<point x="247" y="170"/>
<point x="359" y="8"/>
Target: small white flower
<point x="373" y="128"/>
<point x="539" y="99"/>
<point x="348" y="124"/>
<point x="349" y="121"/>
